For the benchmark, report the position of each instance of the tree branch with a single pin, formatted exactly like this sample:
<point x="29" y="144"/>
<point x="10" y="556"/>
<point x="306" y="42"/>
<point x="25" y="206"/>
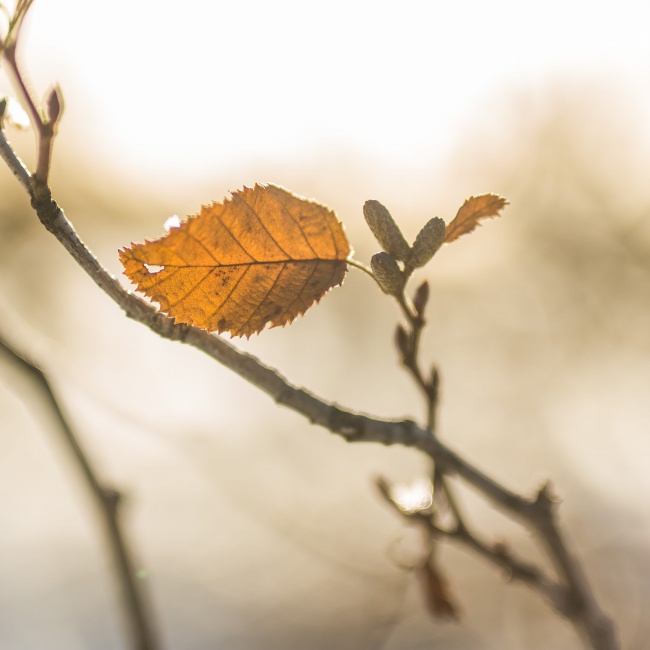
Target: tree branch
<point x="595" y="627"/>
<point x="497" y="554"/>
<point x="108" y="501"/>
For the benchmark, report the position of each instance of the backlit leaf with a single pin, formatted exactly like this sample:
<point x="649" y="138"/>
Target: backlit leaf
<point x="262" y="257"/>
<point x="471" y="212"/>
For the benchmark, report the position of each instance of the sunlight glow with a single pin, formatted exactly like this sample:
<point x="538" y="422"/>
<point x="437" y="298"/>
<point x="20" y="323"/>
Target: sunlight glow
<point x="210" y="85"/>
<point x="415" y="497"/>
<point x="15" y="115"/>
<point x="172" y="222"/>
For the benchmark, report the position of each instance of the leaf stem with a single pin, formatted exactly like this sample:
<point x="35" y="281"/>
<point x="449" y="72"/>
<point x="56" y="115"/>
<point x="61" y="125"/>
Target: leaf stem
<point x="362" y="267"/>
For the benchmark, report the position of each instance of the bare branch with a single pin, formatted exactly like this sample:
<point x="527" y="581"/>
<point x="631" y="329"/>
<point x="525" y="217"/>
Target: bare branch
<point x="576" y="601"/>
<point x="44" y="122"/>
<point x="515" y="569"/>
<point x="596" y="628"/>
<point x="108" y="501"/>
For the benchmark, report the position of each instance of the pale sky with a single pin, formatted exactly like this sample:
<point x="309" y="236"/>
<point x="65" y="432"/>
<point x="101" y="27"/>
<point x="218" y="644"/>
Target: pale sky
<point x="176" y="86"/>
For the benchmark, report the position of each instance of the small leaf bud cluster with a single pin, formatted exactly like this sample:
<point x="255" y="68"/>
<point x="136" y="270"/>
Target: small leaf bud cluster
<point x="390" y="276"/>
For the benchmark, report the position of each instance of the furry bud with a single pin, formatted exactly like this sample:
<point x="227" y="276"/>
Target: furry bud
<point x="54" y="105"/>
<point x="402" y="341"/>
<point x="387" y="272"/>
<point x="428" y="241"/>
<point x="421" y="298"/>
<point x="386" y="230"/>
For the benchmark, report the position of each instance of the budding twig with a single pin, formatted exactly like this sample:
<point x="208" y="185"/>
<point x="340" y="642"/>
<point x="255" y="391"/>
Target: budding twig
<point x="571" y="595"/>
<point x="45" y="122"/>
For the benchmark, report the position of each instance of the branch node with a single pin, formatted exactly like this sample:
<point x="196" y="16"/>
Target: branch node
<point x="45" y="207"/>
<point x="545" y="500"/>
<point x="351" y="429"/>
<point x="177" y="331"/>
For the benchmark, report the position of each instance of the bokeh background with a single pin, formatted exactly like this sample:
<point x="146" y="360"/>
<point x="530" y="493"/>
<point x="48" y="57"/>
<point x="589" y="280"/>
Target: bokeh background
<point x="253" y="529"/>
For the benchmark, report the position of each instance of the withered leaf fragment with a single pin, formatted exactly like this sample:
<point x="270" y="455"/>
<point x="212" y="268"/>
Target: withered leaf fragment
<point x="471" y="212"/>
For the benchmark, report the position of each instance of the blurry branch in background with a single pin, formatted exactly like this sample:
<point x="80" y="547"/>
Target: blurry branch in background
<point x="571" y="595"/>
<point x="108" y="500"/>
<point x="498" y="553"/>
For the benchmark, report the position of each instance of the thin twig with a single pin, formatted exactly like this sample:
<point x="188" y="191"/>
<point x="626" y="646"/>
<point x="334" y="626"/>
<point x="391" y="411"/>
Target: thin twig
<point x="577" y="602"/>
<point x="515" y="569"/>
<point x="108" y="501"/>
<point x="44" y="124"/>
<point x="414" y="314"/>
<point x="410" y="354"/>
<point x="596" y="628"/>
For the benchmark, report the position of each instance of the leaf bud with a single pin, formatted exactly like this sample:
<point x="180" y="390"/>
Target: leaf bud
<point x="402" y="342"/>
<point x="54" y="105"/>
<point x="3" y="108"/>
<point x="428" y="241"/>
<point x="385" y="230"/>
<point x="421" y="298"/>
<point x="433" y="385"/>
<point x="387" y="272"/>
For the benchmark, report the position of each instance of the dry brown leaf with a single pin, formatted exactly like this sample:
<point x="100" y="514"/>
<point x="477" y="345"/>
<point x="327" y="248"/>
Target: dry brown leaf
<point x="262" y="257"/>
<point x="471" y="212"/>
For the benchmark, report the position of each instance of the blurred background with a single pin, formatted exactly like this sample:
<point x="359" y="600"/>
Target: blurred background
<point x="252" y="528"/>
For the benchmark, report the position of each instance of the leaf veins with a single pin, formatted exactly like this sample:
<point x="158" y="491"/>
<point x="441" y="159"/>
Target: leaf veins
<point x="262" y="257"/>
<point x="471" y="212"/>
